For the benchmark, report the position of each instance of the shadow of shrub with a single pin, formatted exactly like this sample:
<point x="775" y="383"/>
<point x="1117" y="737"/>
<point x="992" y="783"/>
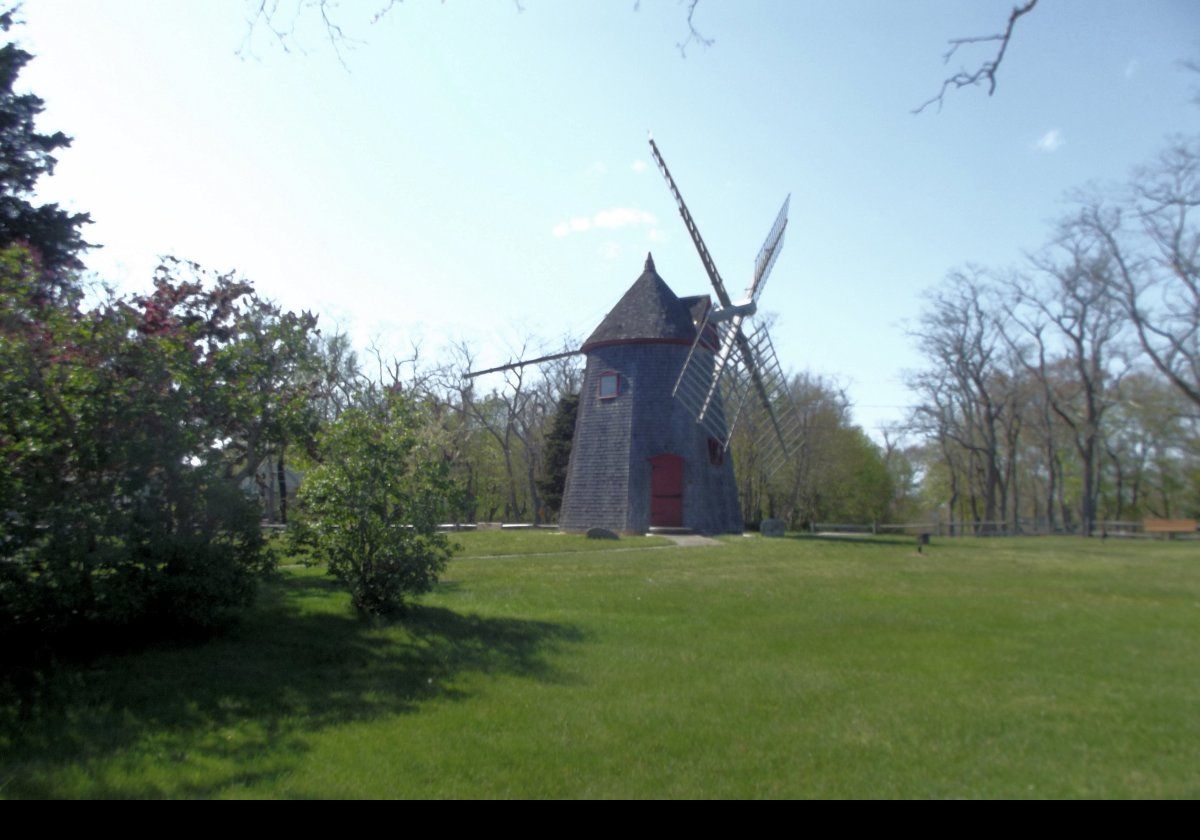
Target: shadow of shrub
<point x="245" y="702"/>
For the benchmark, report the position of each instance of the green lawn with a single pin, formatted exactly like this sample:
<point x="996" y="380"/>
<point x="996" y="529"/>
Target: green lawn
<point x="796" y="667"/>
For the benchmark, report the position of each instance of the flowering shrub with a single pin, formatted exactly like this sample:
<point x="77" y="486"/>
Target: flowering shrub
<point x="122" y="436"/>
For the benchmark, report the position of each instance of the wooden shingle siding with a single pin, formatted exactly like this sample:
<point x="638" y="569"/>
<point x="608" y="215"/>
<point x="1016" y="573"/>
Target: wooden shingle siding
<point x="609" y="476"/>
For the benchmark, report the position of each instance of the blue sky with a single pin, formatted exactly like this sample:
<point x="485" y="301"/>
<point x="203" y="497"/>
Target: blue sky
<point x="480" y="173"/>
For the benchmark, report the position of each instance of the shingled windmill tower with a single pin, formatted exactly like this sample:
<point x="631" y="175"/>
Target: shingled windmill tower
<point x="639" y="459"/>
<point x="667" y="380"/>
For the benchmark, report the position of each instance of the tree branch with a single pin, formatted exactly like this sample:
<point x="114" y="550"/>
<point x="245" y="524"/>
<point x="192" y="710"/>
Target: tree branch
<point x="987" y="70"/>
<point x="693" y="33"/>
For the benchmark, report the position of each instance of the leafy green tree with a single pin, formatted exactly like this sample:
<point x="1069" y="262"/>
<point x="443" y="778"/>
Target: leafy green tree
<point x="51" y="233"/>
<point x="859" y="486"/>
<point x="126" y="429"/>
<point x="371" y="508"/>
<point x="1151" y="443"/>
<point x="835" y="474"/>
<point x="257" y="367"/>
<point x="119" y="514"/>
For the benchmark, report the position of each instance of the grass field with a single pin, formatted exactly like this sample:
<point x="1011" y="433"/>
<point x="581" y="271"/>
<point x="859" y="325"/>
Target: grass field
<point x="795" y="667"/>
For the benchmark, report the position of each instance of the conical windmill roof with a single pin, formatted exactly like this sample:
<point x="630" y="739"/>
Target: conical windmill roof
<point x="648" y="312"/>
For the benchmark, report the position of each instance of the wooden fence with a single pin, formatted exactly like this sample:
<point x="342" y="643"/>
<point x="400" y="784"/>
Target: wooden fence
<point x="972" y="528"/>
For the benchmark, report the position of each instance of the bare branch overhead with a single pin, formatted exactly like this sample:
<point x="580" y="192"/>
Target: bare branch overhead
<point x="987" y="70"/>
<point x="693" y="33"/>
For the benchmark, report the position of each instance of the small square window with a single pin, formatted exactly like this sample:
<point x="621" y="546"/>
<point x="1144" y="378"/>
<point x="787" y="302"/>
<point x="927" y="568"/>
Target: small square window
<point x="610" y="385"/>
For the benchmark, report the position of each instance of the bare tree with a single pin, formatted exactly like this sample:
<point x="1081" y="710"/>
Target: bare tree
<point x="339" y="378"/>
<point x="1074" y="331"/>
<point x="962" y="336"/>
<point x="900" y="457"/>
<point x="934" y="417"/>
<point x="495" y="413"/>
<point x="281" y="19"/>
<point x="516" y="417"/>
<point x="1153" y="240"/>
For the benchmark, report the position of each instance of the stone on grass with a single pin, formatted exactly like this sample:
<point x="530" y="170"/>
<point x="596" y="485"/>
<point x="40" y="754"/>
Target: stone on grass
<point x="772" y="527"/>
<point x="601" y="534"/>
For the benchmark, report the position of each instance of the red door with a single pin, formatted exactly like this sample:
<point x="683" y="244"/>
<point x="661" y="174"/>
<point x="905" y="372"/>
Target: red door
<point x="666" y="491"/>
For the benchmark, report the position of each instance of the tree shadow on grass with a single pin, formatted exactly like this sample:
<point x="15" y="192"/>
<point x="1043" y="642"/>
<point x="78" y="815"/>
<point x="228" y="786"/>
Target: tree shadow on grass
<point x="238" y="710"/>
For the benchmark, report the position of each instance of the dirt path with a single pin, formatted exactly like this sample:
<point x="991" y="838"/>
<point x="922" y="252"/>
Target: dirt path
<point x="690" y="540"/>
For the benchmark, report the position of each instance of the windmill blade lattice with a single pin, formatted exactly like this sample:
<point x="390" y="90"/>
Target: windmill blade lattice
<point x="708" y="385"/>
<point x="718" y="377"/>
<point x="716" y="386"/>
<point x="768" y="253"/>
<point x="710" y="267"/>
<point x="781" y="436"/>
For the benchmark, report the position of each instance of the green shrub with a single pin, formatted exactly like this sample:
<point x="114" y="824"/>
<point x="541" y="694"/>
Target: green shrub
<point x="122" y="441"/>
<point x="370" y="509"/>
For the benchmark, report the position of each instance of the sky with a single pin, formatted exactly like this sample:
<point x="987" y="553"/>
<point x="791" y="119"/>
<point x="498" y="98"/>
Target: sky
<point x="479" y="171"/>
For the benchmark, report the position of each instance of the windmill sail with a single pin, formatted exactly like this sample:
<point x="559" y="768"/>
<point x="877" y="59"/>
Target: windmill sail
<point x="709" y="266"/>
<point x="716" y="386"/>
<point x="708" y="384"/>
<point x="718" y="377"/>
<point x="781" y="435"/>
<point x="768" y="253"/>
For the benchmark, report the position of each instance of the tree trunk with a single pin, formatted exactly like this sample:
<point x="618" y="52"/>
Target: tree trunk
<point x="281" y="475"/>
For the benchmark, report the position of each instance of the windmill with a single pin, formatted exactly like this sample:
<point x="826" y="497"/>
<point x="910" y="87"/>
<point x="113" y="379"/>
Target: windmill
<point x="666" y="381"/>
<point x="744" y="366"/>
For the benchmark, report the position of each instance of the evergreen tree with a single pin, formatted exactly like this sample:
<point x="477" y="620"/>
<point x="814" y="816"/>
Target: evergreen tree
<point x="558" y="452"/>
<point x="51" y="233"/>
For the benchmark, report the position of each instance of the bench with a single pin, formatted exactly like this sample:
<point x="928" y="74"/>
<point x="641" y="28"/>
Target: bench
<point x="1169" y="527"/>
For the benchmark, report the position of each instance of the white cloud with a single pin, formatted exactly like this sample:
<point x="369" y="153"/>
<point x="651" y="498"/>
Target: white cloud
<point x="611" y="219"/>
<point x="597" y="168"/>
<point x="619" y="217"/>
<point x="575" y="225"/>
<point x="638" y="166"/>
<point x="1051" y="141"/>
<point x="610" y="251"/>
<point x="655" y="235"/>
